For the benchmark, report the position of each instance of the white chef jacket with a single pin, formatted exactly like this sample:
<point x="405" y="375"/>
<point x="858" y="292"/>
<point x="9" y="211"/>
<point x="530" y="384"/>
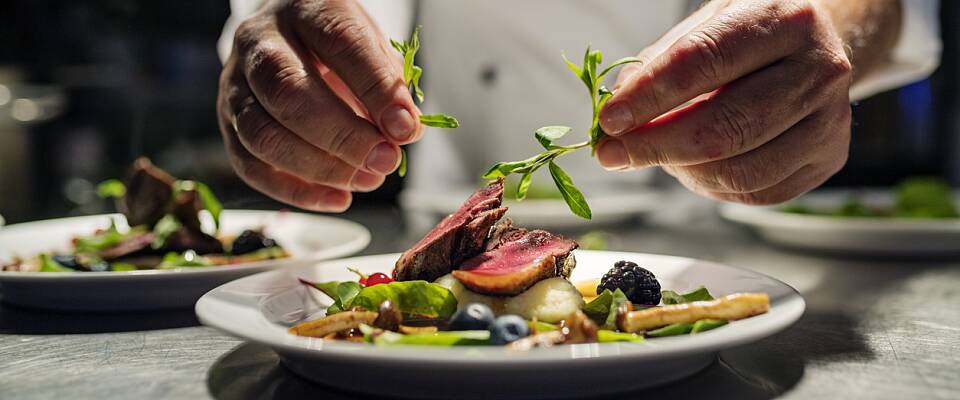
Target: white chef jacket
<point x="496" y="66"/>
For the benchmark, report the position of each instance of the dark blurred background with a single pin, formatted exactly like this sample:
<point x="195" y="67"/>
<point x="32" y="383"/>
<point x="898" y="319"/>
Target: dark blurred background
<point x="87" y="86"/>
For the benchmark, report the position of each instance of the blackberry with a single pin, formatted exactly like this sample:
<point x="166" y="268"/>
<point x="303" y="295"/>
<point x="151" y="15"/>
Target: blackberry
<point x="638" y="284"/>
<point x="250" y="241"/>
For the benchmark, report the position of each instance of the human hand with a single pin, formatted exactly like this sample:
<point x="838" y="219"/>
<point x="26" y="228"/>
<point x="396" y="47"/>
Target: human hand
<point x="312" y="104"/>
<point x="764" y="87"/>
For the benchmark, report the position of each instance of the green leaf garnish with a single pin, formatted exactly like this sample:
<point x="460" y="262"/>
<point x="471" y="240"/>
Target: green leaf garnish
<point x="188" y="258"/>
<point x="411" y="77"/>
<point x="570" y="193"/>
<point x="704" y="325"/>
<point x="671" y="330"/>
<point x="548" y="134"/>
<point x="439" y="121"/>
<point x="48" y="264"/>
<point x="592" y="79"/>
<point x="207" y="198"/>
<point x="603" y="309"/>
<point x="670" y="297"/>
<point x="402" y="169"/>
<point x="609" y="336"/>
<point x="165" y="227"/>
<point x="111" y="188"/>
<point x="412" y="298"/>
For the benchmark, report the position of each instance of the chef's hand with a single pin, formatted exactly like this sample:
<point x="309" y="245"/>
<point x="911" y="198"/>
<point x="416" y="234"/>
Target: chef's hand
<point x="764" y="87"/>
<point x="312" y="103"/>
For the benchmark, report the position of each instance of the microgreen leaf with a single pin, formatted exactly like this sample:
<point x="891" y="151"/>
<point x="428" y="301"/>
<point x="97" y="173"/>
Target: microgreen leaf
<point x="591" y="78"/>
<point x="411" y="77"/>
<point x="207" y="198"/>
<point x="578" y="205"/>
<point x="165" y="227"/>
<point x="573" y="67"/>
<point x="439" y="121"/>
<point x="111" y="188"/>
<point x="402" y="169"/>
<point x="622" y="61"/>
<point x="524" y="185"/>
<point x="548" y="134"/>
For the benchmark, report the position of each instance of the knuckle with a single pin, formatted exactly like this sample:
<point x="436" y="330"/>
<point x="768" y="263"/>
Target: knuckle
<point x="342" y="34"/>
<point x="289" y="94"/>
<point x="247" y="35"/>
<point x="706" y="53"/>
<point x="800" y="14"/>
<point x="731" y="128"/>
<point x="268" y="141"/>
<point x="338" y="140"/>
<point x="377" y="83"/>
<point x="736" y="177"/>
<point x="836" y="66"/>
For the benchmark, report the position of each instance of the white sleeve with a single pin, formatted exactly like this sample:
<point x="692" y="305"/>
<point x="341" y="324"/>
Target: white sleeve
<point x="395" y="18"/>
<point x="915" y="56"/>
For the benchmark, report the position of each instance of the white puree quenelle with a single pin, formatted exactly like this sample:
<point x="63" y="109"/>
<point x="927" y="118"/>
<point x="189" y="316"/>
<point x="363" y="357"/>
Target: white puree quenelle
<point x="549" y="300"/>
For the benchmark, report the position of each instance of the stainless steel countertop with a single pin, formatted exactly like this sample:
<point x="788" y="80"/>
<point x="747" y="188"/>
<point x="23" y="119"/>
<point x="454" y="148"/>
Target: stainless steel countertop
<point x="873" y="329"/>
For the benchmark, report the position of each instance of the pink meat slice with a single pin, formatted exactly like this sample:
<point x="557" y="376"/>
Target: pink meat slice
<point x="515" y="265"/>
<point x="459" y="236"/>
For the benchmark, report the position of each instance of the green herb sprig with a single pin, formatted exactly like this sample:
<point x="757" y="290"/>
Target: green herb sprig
<point x="411" y="77"/>
<point x="592" y="76"/>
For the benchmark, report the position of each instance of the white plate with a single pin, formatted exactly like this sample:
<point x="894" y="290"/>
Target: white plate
<point x="607" y="206"/>
<point x="260" y="308"/>
<point x="853" y="235"/>
<point x="307" y="237"/>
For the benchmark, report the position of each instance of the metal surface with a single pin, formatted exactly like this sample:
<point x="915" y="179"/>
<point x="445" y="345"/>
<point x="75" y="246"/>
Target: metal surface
<point x="873" y="329"/>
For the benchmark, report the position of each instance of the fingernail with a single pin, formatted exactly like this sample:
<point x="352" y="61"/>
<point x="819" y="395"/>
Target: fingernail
<point x="612" y="155"/>
<point x="383" y="159"/>
<point x="398" y="122"/>
<point x="365" y="181"/>
<point x="616" y="118"/>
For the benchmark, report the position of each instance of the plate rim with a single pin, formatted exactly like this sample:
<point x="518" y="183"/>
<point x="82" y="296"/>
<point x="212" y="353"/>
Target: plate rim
<point x="361" y="242"/>
<point x="789" y="311"/>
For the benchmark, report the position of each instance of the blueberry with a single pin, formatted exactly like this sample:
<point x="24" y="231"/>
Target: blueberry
<point x="69" y="262"/>
<point x="508" y="328"/>
<point x="474" y="316"/>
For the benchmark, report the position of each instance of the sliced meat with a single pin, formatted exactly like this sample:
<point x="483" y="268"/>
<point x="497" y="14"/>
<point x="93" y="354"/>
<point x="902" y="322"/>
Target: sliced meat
<point x="138" y="245"/>
<point x="459" y="236"/>
<point x="504" y="232"/>
<point x="515" y="265"/>
<point x="148" y="192"/>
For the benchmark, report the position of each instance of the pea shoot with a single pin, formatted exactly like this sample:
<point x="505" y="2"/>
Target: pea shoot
<point x="592" y="77"/>
<point x="411" y="77"/>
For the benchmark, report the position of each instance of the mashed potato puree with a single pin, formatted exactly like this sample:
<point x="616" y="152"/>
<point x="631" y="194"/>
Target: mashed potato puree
<point x="550" y="300"/>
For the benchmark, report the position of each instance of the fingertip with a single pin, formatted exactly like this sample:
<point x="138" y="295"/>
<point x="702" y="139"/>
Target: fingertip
<point x="399" y="123"/>
<point x="613" y="155"/>
<point x="383" y="158"/>
<point x="617" y="118"/>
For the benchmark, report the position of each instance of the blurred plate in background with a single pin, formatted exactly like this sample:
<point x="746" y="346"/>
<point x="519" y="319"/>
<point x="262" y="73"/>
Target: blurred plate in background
<point x="875" y="236"/>
<point x="308" y="238"/>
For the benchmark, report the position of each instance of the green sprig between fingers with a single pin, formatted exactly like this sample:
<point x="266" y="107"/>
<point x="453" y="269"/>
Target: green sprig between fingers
<point x="411" y="77"/>
<point x="592" y="77"/>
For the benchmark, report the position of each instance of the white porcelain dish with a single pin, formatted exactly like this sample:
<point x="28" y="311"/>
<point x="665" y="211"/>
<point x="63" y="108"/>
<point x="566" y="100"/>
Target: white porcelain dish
<point x="308" y="238"/>
<point x="848" y="235"/>
<point x="260" y="308"/>
<point x="608" y="207"/>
